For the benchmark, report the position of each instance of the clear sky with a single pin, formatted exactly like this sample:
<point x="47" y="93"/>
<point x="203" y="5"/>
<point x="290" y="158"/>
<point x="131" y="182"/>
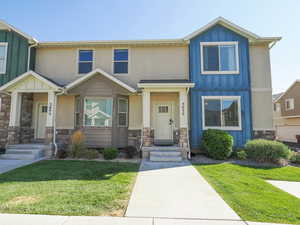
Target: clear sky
<point x="65" y="20"/>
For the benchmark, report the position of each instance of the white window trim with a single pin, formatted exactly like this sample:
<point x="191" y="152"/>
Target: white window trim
<point x="237" y="71"/>
<point x="5" y="61"/>
<point x="93" y="62"/>
<point x="222" y="98"/>
<point x="123" y="112"/>
<point x="292" y="104"/>
<point x="96" y="98"/>
<point x="113" y="61"/>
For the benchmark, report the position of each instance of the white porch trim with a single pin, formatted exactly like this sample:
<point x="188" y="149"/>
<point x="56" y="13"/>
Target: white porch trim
<point x="15" y="109"/>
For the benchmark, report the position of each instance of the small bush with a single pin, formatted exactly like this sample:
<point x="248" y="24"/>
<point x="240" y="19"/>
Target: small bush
<point x="77" y="144"/>
<point x="262" y="150"/>
<point x="241" y="155"/>
<point x="130" y="151"/>
<point x="62" y="154"/>
<point x="92" y="154"/>
<point x="110" y="153"/>
<point x="217" y="143"/>
<point x="295" y="158"/>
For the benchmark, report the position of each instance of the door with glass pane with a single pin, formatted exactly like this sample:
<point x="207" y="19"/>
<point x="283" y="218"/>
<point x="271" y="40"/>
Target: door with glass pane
<point x="163" y="122"/>
<point x="41" y="121"/>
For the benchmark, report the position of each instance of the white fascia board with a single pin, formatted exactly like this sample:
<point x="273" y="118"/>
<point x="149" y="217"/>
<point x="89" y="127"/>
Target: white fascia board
<point x="29" y="73"/>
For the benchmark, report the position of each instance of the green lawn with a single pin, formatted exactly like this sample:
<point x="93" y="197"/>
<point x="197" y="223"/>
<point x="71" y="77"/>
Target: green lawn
<point x="246" y="191"/>
<point x="68" y="188"/>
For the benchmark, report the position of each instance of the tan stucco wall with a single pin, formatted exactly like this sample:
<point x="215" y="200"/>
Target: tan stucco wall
<point x="261" y="85"/>
<point x="135" y="112"/>
<point x="136" y="109"/>
<point x="60" y="64"/>
<point x="64" y="113"/>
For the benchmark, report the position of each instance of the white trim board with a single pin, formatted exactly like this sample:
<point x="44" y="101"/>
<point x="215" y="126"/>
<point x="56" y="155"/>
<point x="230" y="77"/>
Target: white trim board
<point x="5" y="44"/>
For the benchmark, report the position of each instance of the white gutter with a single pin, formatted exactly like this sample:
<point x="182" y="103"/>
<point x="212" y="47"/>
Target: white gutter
<point x="29" y="55"/>
<point x="188" y="132"/>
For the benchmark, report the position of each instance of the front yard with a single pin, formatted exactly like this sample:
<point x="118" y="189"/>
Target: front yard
<point x="244" y="188"/>
<point x="68" y="188"/>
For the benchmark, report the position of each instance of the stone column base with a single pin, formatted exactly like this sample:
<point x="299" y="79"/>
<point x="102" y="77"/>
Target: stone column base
<point x="264" y="134"/>
<point x="147" y="139"/>
<point x="49" y="141"/>
<point x="183" y="138"/>
<point x="13" y="135"/>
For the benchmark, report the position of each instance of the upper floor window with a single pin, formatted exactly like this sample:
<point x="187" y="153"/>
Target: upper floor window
<point x="219" y="58"/>
<point x="289" y="104"/>
<point x="221" y="112"/>
<point x="3" y="57"/>
<point x="85" y="61"/>
<point x="120" y="61"/>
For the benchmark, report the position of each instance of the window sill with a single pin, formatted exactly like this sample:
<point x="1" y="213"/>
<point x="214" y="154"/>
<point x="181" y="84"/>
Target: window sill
<point x="220" y="72"/>
<point x="223" y="128"/>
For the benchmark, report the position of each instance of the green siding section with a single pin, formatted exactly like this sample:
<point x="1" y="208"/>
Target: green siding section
<point x="17" y="54"/>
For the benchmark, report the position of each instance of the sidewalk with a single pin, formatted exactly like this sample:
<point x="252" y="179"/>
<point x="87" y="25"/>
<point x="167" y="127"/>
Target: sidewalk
<point x="11" y="164"/>
<point x="176" y="190"/>
<point x="21" y="219"/>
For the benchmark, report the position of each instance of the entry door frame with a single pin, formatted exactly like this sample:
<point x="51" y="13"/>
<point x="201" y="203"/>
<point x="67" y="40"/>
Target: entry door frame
<point x="154" y="114"/>
<point x="38" y="104"/>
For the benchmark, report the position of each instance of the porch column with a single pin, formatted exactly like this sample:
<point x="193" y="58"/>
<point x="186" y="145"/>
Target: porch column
<point x="183" y="118"/>
<point x="147" y="140"/>
<point x="13" y="136"/>
<point x="50" y="117"/>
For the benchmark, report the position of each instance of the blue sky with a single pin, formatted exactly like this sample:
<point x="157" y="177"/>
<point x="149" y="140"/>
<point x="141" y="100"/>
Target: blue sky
<point x="60" y="20"/>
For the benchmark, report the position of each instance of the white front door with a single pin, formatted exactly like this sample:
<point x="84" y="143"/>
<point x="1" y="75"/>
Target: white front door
<point x="163" y="122"/>
<point x="41" y="121"/>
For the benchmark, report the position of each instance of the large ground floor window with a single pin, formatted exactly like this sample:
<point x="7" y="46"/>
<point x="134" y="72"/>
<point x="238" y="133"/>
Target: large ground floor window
<point x="98" y="112"/>
<point x="221" y="112"/>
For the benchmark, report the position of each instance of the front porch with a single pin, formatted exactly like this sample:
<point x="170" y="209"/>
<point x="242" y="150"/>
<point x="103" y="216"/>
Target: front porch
<point x="165" y="123"/>
<point x="32" y="110"/>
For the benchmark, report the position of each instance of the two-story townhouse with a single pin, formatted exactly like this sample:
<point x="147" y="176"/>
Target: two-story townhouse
<point x="230" y="67"/>
<point x="15" y="51"/>
<point x="138" y="92"/>
<point x="286" y="114"/>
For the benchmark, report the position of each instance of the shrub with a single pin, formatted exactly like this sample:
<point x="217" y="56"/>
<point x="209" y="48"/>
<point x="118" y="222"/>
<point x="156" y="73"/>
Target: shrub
<point x="295" y="158"/>
<point x="110" y="153"/>
<point x="130" y="151"/>
<point x="241" y="155"/>
<point x="91" y="154"/>
<point x="262" y="150"/>
<point x="217" y="143"/>
<point x="62" y="154"/>
<point x="77" y="144"/>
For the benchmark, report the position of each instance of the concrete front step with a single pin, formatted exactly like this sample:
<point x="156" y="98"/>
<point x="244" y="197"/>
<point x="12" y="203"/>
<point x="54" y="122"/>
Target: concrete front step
<point x="27" y="146"/>
<point x="165" y="153"/>
<point x="20" y="156"/>
<point x="162" y="148"/>
<point x="165" y="159"/>
<point x="25" y="151"/>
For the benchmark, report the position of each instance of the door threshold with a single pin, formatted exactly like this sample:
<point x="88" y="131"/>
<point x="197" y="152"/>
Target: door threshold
<point x="163" y="142"/>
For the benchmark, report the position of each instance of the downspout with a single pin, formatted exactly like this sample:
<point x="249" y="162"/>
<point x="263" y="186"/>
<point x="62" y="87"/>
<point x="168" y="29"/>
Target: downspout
<point x="29" y="54"/>
<point x="54" y="124"/>
<point x="188" y="132"/>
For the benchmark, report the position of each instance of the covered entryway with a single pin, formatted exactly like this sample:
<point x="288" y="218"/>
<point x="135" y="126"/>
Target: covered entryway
<point x="30" y="119"/>
<point x="165" y="118"/>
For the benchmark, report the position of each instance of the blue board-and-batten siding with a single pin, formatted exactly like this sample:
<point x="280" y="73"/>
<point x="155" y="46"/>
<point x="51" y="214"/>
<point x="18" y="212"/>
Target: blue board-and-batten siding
<point x="220" y="84"/>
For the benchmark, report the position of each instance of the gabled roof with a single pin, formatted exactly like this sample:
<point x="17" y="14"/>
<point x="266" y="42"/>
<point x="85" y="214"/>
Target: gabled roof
<point x="226" y="23"/>
<point x="27" y="74"/>
<point x="10" y="27"/>
<point x="283" y="94"/>
<point x="99" y="72"/>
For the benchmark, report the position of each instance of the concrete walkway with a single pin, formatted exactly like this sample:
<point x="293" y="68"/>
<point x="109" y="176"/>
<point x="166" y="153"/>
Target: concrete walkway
<point x="290" y="187"/>
<point x="10" y="164"/>
<point x="176" y="190"/>
<point x="21" y="219"/>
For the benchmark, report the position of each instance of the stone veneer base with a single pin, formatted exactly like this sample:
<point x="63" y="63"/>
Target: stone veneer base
<point x="264" y="134"/>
